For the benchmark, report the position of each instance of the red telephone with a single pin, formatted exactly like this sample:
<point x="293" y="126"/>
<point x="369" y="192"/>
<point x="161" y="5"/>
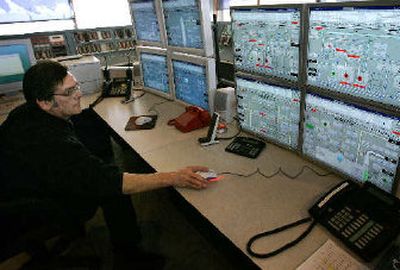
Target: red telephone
<point x="193" y="118"/>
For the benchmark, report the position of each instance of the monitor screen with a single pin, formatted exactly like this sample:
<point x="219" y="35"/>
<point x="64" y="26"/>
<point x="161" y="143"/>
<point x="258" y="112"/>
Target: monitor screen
<point x="266" y="41"/>
<point x="155" y="72"/>
<point x="183" y="23"/>
<point x="356" y="51"/>
<point x="145" y="20"/>
<point x="361" y="144"/>
<point x="269" y="111"/>
<point x="191" y="83"/>
<point x="16" y="57"/>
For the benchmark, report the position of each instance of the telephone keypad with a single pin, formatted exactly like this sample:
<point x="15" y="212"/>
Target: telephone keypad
<point x="359" y="229"/>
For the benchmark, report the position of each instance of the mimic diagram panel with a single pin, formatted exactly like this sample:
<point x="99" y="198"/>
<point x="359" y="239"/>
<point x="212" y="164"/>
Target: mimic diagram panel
<point x="145" y="19"/>
<point x="191" y="83"/>
<point x="362" y="144"/>
<point x="183" y="24"/>
<point x="356" y="51"/>
<point x="155" y="72"/>
<point x="266" y="41"/>
<point x="269" y="111"/>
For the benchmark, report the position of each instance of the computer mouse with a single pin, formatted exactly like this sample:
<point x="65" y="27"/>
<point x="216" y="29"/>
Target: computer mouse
<point x="208" y="175"/>
<point x="141" y="120"/>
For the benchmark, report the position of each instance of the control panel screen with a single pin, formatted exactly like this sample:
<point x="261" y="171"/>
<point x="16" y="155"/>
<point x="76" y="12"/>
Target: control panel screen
<point x="183" y="24"/>
<point x="155" y="72"/>
<point x="362" y="144"/>
<point x="356" y="51"/>
<point x="269" y="111"/>
<point x="145" y="19"/>
<point x="191" y="83"/>
<point x="266" y="41"/>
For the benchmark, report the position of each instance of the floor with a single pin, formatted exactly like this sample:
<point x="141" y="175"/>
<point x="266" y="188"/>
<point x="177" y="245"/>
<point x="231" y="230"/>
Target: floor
<point x="165" y="229"/>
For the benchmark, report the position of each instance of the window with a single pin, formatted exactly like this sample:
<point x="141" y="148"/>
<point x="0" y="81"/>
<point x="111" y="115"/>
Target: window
<point x="101" y="13"/>
<point x="20" y="17"/>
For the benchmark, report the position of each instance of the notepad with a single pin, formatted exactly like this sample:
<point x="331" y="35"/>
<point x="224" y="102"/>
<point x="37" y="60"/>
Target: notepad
<point x="331" y="257"/>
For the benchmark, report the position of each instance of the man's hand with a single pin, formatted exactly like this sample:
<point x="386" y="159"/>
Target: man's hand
<point x="188" y="178"/>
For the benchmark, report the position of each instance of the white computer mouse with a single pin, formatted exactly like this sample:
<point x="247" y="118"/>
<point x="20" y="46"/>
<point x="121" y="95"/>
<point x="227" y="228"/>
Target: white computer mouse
<point x="143" y="120"/>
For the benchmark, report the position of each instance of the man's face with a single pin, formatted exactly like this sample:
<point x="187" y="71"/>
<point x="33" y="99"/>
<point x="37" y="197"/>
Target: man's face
<point x="67" y="98"/>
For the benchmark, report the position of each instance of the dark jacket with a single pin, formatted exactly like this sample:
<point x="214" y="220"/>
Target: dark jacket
<point x="41" y="156"/>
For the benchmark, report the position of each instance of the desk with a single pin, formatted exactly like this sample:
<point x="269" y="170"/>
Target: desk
<point x="237" y="207"/>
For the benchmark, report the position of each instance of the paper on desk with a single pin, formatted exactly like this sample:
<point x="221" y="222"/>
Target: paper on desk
<point x="331" y="257"/>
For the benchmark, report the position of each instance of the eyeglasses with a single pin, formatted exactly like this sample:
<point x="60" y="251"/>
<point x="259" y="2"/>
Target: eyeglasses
<point x="70" y="91"/>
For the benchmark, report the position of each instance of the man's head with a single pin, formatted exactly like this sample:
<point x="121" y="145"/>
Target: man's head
<point x="53" y="89"/>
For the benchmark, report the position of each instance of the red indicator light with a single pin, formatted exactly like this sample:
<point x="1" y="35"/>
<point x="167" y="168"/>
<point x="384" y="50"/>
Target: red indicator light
<point x="314" y="110"/>
<point x="345" y="83"/>
<point x="216" y="179"/>
<point x="359" y="78"/>
<point x="252" y="40"/>
<point x="294" y="22"/>
<point x="353" y="56"/>
<point x="296" y="100"/>
<point x="346" y="75"/>
<point x="261" y="44"/>
<point x="318" y="28"/>
<point x="340" y="50"/>
<point x="359" y="85"/>
<point x="396" y="132"/>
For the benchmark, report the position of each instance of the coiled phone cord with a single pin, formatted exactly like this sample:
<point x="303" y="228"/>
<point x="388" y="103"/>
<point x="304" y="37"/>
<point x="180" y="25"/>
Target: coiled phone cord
<point x="278" y="230"/>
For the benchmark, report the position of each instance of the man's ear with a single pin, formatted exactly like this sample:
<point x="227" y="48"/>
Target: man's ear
<point x="45" y="105"/>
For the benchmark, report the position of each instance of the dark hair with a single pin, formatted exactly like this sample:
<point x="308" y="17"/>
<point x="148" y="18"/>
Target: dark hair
<point x="42" y="79"/>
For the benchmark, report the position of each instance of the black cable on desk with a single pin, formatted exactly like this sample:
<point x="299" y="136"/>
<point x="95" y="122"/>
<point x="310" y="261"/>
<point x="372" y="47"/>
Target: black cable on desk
<point x="284" y="227"/>
<point x="152" y="108"/>
<point x="258" y="171"/>
<point x="97" y="101"/>
<point x="278" y="230"/>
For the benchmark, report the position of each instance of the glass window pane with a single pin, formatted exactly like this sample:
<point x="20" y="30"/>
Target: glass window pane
<point x="101" y="13"/>
<point x="34" y="27"/>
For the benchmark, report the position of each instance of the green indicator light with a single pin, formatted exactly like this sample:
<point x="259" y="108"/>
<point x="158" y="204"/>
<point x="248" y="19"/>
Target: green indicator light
<point x="311" y="126"/>
<point x="365" y="176"/>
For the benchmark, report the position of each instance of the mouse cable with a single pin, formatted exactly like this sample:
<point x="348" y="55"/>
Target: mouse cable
<point x="302" y="171"/>
<point x="153" y="107"/>
<point x="277" y="172"/>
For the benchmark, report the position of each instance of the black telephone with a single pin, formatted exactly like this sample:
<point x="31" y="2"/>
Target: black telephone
<point x="246" y="146"/>
<point x="117" y="87"/>
<point x="365" y="218"/>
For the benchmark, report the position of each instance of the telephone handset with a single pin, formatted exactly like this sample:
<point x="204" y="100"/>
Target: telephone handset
<point x="365" y="218"/>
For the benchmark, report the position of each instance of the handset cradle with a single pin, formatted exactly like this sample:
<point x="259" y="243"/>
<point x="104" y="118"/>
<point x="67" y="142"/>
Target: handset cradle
<point x="212" y="132"/>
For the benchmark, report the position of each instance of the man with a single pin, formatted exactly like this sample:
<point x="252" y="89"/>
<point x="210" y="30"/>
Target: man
<point x="42" y="159"/>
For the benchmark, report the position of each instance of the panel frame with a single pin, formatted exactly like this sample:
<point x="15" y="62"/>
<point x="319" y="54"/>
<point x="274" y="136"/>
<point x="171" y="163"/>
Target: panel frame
<point x="210" y="68"/>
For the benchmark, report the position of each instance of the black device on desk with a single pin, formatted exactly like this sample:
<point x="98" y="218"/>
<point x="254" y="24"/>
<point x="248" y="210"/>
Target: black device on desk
<point x="365" y="218"/>
<point x="117" y="87"/>
<point x="246" y="146"/>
